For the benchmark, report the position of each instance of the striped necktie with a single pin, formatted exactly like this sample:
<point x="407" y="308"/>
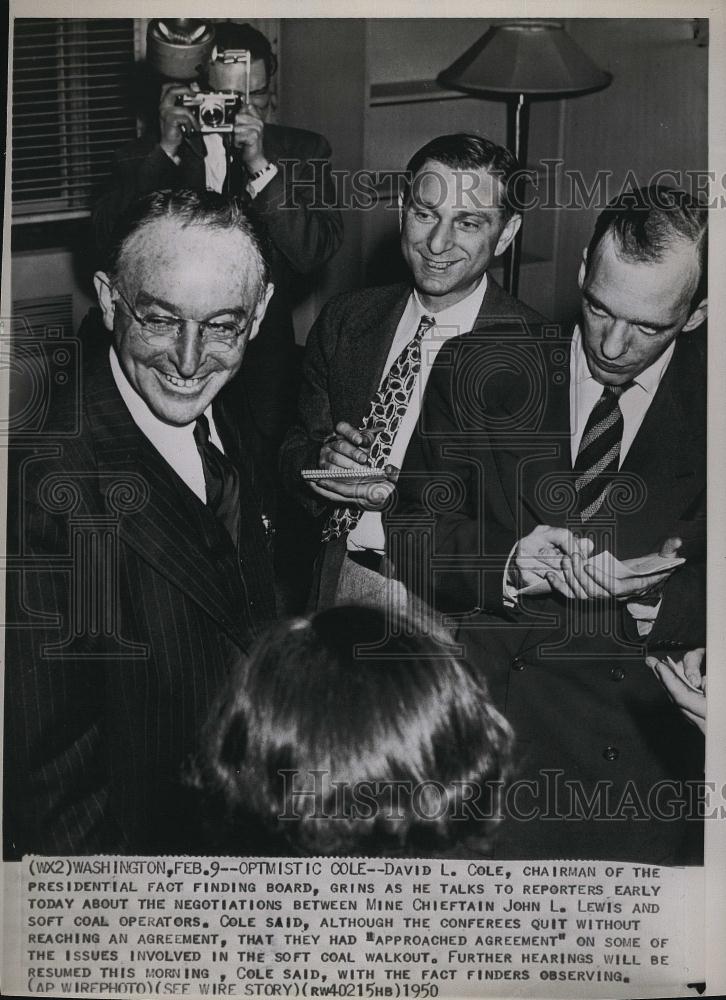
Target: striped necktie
<point x="385" y="414"/>
<point x="598" y="457"/>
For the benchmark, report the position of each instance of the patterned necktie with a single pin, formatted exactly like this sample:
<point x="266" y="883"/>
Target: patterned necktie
<point x="385" y="414"/>
<point x="598" y="457"/>
<point x="220" y="478"/>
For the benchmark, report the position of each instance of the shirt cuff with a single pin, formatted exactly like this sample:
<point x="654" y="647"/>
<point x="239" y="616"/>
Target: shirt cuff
<point x="644" y="615"/>
<point x="257" y="184"/>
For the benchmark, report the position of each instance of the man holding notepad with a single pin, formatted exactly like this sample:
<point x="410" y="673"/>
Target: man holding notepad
<point x="370" y="352"/>
<point x="573" y="542"/>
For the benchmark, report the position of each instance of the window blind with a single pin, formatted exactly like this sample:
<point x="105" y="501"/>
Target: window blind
<point x="70" y="112"/>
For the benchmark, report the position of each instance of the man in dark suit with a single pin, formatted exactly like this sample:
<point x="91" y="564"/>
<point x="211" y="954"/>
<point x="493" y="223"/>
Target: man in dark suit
<point x="283" y="176"/>
<point x="139" y="565"/>
<point x="556" y="450"/>
<point x="370" y="352"/>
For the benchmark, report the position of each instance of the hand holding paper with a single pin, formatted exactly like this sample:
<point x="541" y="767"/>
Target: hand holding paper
<point x="555" y="559"/>
<point x="638" y="576"/>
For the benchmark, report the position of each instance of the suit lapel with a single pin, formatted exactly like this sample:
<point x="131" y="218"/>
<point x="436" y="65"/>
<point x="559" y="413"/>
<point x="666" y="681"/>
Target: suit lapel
<point x="498" y="308"/>
<point x="663" y="441"/>
<point x="667" y="453"/>
<point x="368" y="350"/>
<point x="158" y="515"/>
<point x="531" y="438"/>
<point x="536" y="467"/>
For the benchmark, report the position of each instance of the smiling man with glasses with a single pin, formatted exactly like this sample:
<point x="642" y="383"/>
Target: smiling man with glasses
<point x="283" y="174"/>
<point x="134" y="626"/>
<point x="180" y="329"/>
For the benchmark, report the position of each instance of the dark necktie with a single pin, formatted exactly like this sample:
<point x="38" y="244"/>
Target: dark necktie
<point x="598" y="457"/>
<point x="385" y="414"/>
<point x="220" y="478"/>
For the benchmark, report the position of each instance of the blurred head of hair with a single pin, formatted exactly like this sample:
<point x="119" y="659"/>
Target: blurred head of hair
<point x="352" y="733"/>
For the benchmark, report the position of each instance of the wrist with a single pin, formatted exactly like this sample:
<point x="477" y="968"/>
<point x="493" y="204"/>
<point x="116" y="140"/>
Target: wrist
<point x="257" y="166"/>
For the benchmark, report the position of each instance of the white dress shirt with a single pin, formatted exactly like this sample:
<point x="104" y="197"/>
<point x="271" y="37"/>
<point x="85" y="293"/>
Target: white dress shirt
<point x="176" y="445"/>
<point x="584" y="394"/>
<point x="448" y="323"/>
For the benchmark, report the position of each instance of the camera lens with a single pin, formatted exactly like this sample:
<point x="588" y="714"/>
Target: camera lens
<point x="212" y="114"/>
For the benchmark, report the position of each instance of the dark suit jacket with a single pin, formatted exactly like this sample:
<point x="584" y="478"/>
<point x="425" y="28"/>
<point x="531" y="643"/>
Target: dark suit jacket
<point x="297" y="206"/>
<point x="126" y="608"/>
<point x="344" y="361"/>
<point x="297" y="210"/>
<point x="494" y="436"/>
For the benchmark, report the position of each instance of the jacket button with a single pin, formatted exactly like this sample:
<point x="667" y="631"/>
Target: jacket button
<point x="518" y="663"/>
<point x="617" y="674"/>
<point x="611" y="753"/>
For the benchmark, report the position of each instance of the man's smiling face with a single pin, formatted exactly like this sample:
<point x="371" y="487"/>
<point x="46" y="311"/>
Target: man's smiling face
<point x="169" y="271"/>
<point x="453" y="224"/>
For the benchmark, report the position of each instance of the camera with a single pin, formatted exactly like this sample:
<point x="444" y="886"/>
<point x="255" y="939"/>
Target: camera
<point x="214" y="111"/>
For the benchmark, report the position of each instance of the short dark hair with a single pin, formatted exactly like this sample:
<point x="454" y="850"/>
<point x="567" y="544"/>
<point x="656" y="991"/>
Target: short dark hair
<point x="647" y="222"/>
<point x="467" y="151"/>
<point x="344" y="701"/>
<point x="230" y="35"/>
<point x="189" y="208"/>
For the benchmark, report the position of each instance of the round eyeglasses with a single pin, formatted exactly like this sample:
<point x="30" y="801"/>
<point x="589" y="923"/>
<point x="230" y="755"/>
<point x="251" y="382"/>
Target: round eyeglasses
<point x="161" y="330"/>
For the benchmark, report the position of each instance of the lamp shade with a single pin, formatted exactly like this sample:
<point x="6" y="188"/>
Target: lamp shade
<point x="525" y="57"/>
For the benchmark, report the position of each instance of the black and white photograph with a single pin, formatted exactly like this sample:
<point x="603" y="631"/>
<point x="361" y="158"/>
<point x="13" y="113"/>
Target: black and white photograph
<point x="363" y="498"/>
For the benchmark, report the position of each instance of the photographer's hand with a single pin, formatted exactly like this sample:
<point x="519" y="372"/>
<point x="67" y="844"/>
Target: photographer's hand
<point x="174" y="121"/>
<point x="248" y="129"/>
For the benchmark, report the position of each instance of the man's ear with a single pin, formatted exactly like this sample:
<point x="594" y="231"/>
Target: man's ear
<point x="102" y="284"/>
<point x="260" y="311"/>
<point x="697" y="317"/>
<point x="508" y="233"/>
<point x="583" y="269"/>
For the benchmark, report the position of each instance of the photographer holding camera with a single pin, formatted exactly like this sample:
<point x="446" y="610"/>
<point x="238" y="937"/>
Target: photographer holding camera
<point x="233" y="65"/>
<point x="180" y="155"/>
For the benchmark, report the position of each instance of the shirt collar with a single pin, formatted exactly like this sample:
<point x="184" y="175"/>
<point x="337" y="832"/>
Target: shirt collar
<point x="649" y="379"/>
<point x="462" y="315"/>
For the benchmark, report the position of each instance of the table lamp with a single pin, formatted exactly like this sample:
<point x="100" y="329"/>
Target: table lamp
<point x="520" y="61"/>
